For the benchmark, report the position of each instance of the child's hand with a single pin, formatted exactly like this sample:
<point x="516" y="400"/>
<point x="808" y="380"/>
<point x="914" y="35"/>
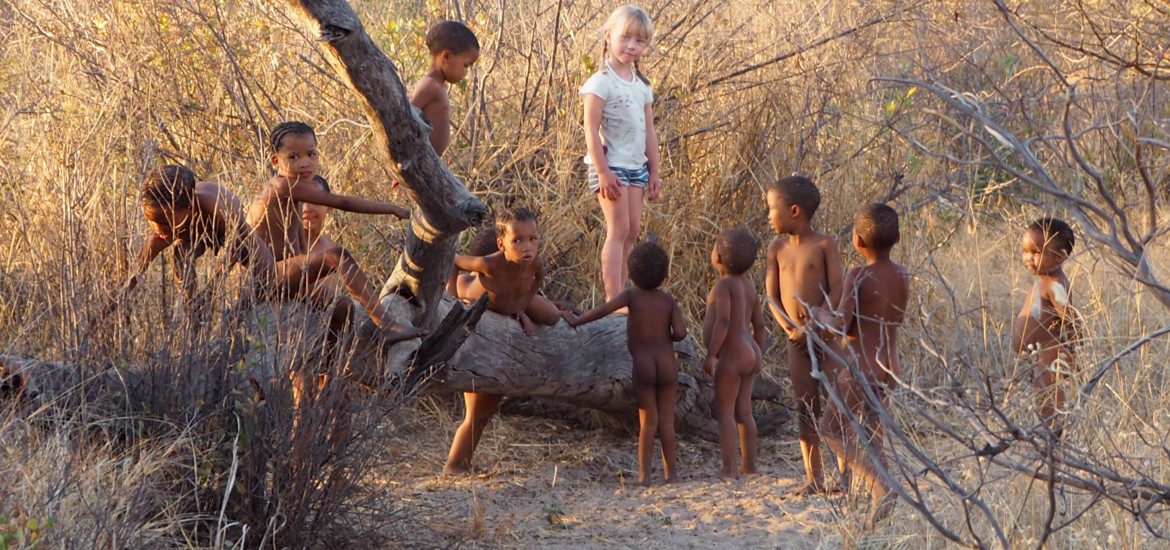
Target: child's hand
<point x="654" y="187"/>
<point x="709" y="366"/>
<point x="796" y="335"/>
<point x="569" y="317"/>
<point x="526" y="324"/>
<point x="826" y="320"/>
<point x="611" y="188"/>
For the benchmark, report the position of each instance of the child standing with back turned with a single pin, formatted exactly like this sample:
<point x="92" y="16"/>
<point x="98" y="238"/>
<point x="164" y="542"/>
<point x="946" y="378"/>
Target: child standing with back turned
<point x="621" y="143"/>
<point x="655" y="321"/>
<point x="1046" y="329"/>
<point x="872" y="307"/>
<point x="733" y="331"/>
<point x="804" y="271"/>
<point x="454" y="49"/>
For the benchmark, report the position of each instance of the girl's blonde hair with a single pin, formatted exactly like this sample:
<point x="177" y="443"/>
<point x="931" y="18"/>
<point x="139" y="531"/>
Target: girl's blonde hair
<point x="623" y="19"/>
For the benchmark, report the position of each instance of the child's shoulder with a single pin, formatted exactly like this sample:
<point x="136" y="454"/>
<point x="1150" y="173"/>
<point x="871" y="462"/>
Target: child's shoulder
<point x="823" y="240"/>
<point x="212" y="195"/>
<point x="777" y="242"/>
<point x="1055" y="288"/>
<point x="599" y="83"/>
<point x="430" y="87"/>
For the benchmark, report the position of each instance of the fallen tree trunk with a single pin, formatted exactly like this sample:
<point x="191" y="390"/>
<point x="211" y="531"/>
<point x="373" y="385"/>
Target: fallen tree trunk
<point x="586" y="367"/>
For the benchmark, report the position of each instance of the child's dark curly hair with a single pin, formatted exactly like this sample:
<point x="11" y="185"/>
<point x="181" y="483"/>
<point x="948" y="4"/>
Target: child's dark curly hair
<point x="1055" y="231"/>
<point x="877" y="225"/>
<point x="510" y="215"/>
<point x="649" y="264"/>
<point x="798" y="190"/>
<point x="285" y="129"/>
<point x="451" y="36"/>
<point x="169" y="187"/>
<point x="324" y="182"/>
<point x="737" y="249"/>
<point x="484" y="243"/>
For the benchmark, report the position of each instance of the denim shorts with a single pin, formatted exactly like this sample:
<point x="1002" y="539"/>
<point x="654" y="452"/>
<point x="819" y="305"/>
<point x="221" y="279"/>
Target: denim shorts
<point x="637" y="177"/>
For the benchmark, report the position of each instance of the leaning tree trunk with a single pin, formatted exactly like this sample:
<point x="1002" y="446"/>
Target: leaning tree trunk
<point x="444" y="207"/>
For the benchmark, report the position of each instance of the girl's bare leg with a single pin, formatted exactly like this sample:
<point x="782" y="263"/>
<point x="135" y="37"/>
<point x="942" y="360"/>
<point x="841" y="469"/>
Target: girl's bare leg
<point x="615" y="250"/>
<point x="300" y="273"/>
<point x="633" y="197"/>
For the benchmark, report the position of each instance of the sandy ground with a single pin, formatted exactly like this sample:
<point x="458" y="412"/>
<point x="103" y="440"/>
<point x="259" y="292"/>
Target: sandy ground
<point x="550" y="484"/>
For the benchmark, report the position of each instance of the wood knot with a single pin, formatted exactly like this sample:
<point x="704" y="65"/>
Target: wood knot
<point x="333" y="33"/>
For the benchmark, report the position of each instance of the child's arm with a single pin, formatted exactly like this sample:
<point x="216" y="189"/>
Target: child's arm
<point x="772" y="288"/>
<point x="472" y="264"/>
<point x="1058" y="295"/>
<point x="718" y="318"/>
<point x="150" y="250"/>
<point x="594" y="106"/>
<point x="431" y="99"/>
<point x="348" y="203"/>
<point x="846" y="308"/>
<point x="538" y="281"/>
<point x="678" y="325"/>
<point x="758" y="324"/>
<point x="834" y="273"/>
<point x="654" y="187"/>
<point x="618" y="302"/>
<point x="246" y="247"/>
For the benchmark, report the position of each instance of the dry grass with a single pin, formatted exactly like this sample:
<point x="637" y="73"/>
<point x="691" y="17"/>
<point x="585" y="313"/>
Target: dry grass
<point x="96" y="91"/>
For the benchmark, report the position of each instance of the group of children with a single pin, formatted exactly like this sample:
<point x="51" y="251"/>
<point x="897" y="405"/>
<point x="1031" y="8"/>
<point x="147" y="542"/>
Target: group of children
<point x="840" y="327"/>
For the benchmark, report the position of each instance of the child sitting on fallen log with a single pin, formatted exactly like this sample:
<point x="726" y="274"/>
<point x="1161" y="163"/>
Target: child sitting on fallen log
<point x="654" y="322"/>
<point x="511" y="278"/>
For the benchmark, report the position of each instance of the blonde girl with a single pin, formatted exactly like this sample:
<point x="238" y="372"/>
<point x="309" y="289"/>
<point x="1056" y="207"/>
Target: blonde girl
<point x="621" y="144"/>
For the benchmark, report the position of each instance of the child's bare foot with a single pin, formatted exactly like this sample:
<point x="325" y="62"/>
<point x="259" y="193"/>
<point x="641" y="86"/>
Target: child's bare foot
<point x="811" y="488"/>
<point x="726" y="474"/>
<point x="395" y="332"/>
<point x="672" y="479"/>
<point x="748" y="470"/>
<point x="881" y="509"/>
<point x="644" y="480"/>
<point x="456" y="470"/>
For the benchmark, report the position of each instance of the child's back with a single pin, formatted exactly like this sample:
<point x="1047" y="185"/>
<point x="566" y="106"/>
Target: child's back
<point x="454" y="49"/>
<point x="651" y="314"/>
<point x="654" y="321"/>
<point x="882" y="293"/>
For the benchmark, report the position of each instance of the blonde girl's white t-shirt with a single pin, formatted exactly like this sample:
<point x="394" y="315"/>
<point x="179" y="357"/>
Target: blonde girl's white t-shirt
<point x="623" y="120"/>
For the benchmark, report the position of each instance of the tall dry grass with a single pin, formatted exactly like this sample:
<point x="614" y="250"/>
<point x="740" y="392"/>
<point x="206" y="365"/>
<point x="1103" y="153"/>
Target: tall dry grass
<point x="97" y="91"/>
